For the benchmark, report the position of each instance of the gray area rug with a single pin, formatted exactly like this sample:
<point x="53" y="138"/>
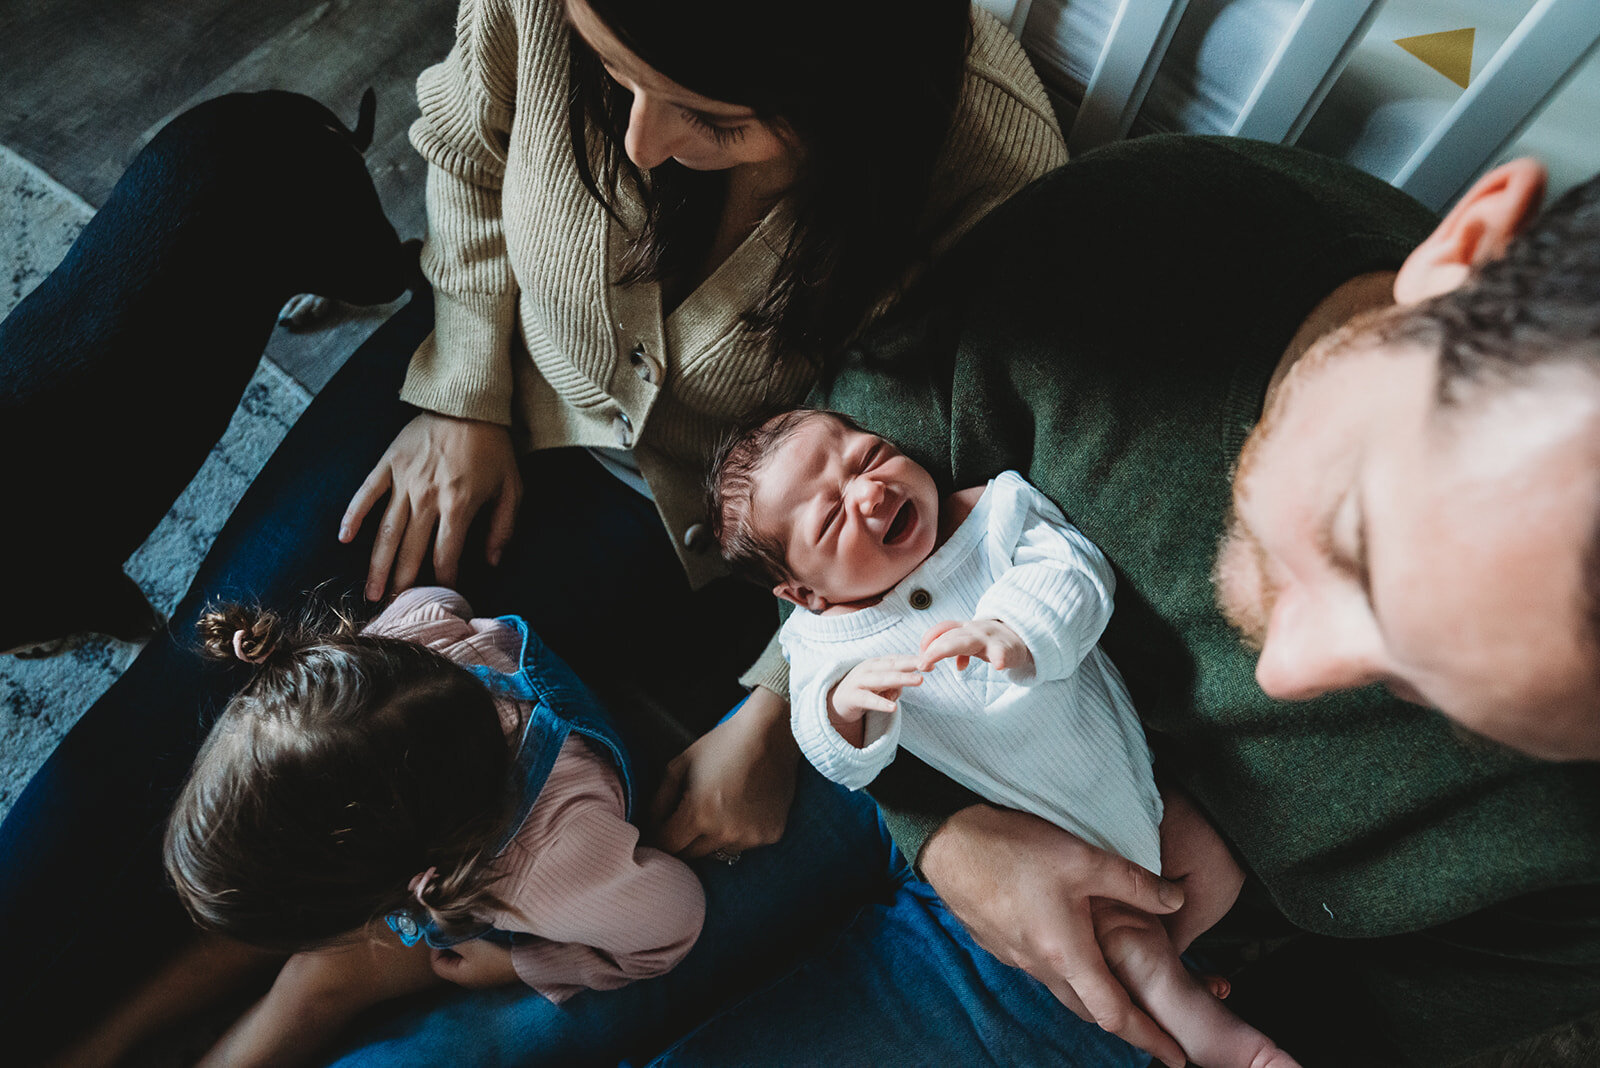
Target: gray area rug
<point x="40" y="700"/>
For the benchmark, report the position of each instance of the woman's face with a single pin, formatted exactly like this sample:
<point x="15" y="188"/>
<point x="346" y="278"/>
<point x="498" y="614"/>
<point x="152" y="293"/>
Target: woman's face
<point x="667" y="121"/>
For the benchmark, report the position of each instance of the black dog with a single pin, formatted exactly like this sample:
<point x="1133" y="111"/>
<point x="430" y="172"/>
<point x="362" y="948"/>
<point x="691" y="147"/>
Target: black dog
<point x="120" y="371"/>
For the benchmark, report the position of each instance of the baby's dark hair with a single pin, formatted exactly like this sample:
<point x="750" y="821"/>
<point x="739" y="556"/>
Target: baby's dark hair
<point x="735" y="466"/>
<point x="347" y="764"/>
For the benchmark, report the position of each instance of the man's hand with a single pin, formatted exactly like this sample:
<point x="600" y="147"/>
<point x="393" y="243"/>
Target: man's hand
<point x="987" y="639"/>
<point x="475" y="964"/>
<point x="871" y="686"/>
<point x="438" y="473"/>
<point x="1027" y="892"/>
<point x="732" y="789"/>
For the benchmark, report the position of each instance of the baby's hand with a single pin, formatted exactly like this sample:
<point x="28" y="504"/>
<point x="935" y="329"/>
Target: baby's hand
<point x="986" y="639"/>
<point x="871" y="686"/>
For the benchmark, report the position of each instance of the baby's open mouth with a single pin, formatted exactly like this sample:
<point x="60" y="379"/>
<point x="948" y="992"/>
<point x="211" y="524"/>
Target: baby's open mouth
<point x="900" y="524"/>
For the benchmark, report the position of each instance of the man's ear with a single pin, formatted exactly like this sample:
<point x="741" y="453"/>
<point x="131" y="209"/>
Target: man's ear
<point x="803" y="596"/>
<point x="1475" y="231"/>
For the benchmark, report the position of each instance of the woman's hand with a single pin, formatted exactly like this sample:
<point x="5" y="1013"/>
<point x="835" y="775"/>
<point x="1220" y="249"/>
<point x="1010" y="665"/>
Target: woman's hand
<point x="1028" y="892"/>
<point x="732" y="789"/>
<point x="438" y="473"/>
<point x="474" y="964"/>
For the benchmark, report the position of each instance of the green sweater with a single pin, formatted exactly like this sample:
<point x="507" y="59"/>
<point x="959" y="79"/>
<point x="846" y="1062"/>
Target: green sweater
<point x="1110" y="333"/>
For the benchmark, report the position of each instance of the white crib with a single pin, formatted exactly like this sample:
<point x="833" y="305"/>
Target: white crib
<point x="1325" y="74"/>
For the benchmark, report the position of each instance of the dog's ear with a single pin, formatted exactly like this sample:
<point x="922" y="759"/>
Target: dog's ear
<point x="361" y="136"/>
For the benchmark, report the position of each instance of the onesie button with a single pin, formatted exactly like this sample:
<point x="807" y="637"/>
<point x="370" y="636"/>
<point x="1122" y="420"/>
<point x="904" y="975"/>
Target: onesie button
<point x="921" y="599"/>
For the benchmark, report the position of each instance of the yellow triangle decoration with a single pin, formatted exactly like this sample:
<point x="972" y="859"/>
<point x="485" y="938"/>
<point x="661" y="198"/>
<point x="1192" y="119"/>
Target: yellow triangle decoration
<point x="1449" y="53"/>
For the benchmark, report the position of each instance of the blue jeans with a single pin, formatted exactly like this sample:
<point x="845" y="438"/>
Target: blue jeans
<point x="903" y="984"/>
<point x="119" y="371"/>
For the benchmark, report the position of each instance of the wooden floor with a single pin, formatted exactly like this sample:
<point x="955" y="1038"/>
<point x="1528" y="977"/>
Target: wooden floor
<point x="85" y="83"/>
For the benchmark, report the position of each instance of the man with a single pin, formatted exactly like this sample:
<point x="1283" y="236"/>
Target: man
<point x="1489" y="398"/>
<point x="1413" y="508"/>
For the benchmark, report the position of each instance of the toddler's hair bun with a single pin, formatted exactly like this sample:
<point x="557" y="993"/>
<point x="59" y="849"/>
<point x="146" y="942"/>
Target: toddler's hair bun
<point x="237" y="632"/>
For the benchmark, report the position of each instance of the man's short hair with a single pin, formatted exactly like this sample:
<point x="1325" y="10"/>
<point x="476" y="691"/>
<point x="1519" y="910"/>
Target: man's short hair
<point x="1536" y="307"/>
<point x="735" y="465"/>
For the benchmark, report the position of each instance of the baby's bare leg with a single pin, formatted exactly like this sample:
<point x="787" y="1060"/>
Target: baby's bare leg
<point x="1195" y="856"/>
<point x="1140" y="954"/>
<point x="317" y="993"/>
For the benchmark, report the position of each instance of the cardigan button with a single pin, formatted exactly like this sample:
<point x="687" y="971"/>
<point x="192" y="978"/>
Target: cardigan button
<point x="920" y="599"/>
<point x="646" y="368"/>
<point x="697" y="539"/>
<point x="624" y="430"/>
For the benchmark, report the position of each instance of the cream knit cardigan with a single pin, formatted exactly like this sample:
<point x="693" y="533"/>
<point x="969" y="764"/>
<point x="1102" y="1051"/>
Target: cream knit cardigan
<point x="531" y="332"/>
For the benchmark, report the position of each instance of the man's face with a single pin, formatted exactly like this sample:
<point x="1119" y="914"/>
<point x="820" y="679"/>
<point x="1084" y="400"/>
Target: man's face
<point x="1377" y="537"/>
<point x="855" y="515"/>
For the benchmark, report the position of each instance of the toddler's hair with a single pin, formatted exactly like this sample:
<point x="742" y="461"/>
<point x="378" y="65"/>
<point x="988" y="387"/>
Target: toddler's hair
<point x="348" y="764"/>
<point x="736" y="464"/>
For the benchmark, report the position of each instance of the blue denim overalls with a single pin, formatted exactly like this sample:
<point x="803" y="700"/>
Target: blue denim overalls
<point x="560" y="704"/>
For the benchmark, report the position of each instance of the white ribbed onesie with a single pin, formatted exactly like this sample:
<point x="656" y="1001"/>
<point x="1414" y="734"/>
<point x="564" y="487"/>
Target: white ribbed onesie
<point x="1063" y="743"/>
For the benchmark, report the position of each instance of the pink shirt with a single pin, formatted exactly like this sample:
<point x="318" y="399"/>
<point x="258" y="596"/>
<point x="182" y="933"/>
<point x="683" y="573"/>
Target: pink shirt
<point x="605" y="909"/>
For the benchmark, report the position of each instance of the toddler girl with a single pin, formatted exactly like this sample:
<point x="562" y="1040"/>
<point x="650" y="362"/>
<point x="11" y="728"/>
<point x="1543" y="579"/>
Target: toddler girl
<point x="855" y="534"/>
<point x="435" y="777"/>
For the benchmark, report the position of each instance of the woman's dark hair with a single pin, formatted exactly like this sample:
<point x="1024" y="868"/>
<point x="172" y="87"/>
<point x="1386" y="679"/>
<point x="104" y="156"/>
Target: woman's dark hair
<point x="868" y="86"/>
<point x="347" y="765"/>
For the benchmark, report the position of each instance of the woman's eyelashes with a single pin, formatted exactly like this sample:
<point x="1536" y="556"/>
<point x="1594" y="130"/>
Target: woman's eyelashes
<point x="722" y="135"/>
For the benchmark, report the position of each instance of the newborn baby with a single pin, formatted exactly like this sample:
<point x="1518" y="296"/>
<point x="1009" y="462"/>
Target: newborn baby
<point x="1033" y="716"/>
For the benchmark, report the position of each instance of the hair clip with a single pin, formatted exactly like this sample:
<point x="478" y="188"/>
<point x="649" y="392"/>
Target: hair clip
<point x="238" y="649"/>
<point x="420" y="884"/>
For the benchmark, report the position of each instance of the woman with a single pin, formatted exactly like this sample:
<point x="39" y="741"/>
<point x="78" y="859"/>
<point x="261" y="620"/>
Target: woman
<point x="642" y="227"/>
